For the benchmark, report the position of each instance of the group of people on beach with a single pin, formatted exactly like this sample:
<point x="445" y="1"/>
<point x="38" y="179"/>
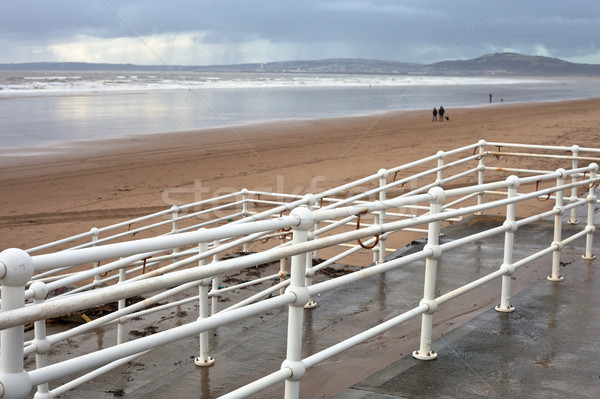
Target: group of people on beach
<point x="439" y="112"/>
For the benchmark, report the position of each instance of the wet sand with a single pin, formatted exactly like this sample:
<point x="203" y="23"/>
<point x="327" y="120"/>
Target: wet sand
<point x="49" y="193"/>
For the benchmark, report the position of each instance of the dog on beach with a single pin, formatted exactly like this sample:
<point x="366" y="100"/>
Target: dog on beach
<point x="447" y="118"/>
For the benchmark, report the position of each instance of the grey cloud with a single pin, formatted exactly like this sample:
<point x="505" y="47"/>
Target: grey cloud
<point x="408" y="31"/>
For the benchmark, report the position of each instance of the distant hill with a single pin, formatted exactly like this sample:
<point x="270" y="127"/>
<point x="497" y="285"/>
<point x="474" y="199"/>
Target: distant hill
<point x="499" y="64"/>
<point x="514" y="64"/>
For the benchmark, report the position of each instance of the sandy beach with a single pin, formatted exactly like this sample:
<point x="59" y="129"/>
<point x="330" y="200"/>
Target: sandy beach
<point x="57" y="191"/>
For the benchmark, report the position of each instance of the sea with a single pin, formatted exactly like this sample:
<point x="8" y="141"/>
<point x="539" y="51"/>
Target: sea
<point x="38" y="109"/>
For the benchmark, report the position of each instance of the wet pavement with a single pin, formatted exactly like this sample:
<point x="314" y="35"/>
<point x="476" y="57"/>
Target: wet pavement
<point x="547" y="348"/>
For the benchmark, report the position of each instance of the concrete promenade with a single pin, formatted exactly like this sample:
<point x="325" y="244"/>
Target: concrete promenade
<point x="548" y="348"/>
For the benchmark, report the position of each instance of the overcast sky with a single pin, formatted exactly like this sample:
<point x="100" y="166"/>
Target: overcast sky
<point x="204" y="32"/>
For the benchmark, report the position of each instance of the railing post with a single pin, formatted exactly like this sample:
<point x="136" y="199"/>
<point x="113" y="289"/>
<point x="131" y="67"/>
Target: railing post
<point x="440" y="171"/>
<point x="40" y="341"/>
<point x="204" y="359"/>
<point x="480" y="173"/>
<point x="383" y="174"/>
<point x="311" y="304"/>
<point x="216" y="282"/>
<point x="122" y="303"/>
<point x="375" y="249"/>
<point x="315" y="253"/>
<point x="573" y="198"/>
<point x="591" y="199"/>
<point x="297" y="286"/>
<point x="16" y="268"/>
<point x="316" y="227"/>
<point x="513" y="184"/>
<point x="557" y="242"/>
<point x="244" y="215"/>
<point x="425" y="351"/>
<point x="282" y="266"/>
<point x="175" y="228"/>
<point x="95" y="233"/>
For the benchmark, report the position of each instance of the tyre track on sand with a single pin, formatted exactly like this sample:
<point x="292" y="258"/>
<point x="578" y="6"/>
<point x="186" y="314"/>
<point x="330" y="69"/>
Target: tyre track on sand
<point x="96" y="165"/>
<point x="36" y="219"/>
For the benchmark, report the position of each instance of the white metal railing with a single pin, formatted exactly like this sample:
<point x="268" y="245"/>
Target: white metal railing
<point x="175" y="254"/>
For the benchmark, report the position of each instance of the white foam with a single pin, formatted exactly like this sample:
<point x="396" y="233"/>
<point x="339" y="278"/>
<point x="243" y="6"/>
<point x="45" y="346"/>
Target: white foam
<point x="63" y="84"/>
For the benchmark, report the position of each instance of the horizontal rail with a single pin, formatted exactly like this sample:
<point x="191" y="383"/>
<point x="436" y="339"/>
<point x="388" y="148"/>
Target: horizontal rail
<point x="545" y="156"/>
<point x="94" y="374"/>
<point x="281" y="252"/>
<point x="543" y="147"/>
<point x="323" y="355"/>
<point x="107" y="355"/>
<point x="338" y="348"/>
<point x="260" y="384"/>
<point x="46" y="262"/>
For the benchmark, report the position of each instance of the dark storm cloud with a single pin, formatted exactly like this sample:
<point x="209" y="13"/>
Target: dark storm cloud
<point x="48" y="20"/>
<point x="418" y="31"/>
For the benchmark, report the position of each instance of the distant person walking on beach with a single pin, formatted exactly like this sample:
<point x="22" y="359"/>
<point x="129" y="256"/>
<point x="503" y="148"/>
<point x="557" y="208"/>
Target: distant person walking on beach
<point x="434" y="115"/>
<point x="441" y="112"/>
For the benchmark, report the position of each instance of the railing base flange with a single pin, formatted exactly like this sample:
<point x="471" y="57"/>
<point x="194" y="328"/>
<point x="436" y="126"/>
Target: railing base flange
<point x="501" y="309"/>
<point x="429" y="356"/>
<point x="204" y="362"/>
